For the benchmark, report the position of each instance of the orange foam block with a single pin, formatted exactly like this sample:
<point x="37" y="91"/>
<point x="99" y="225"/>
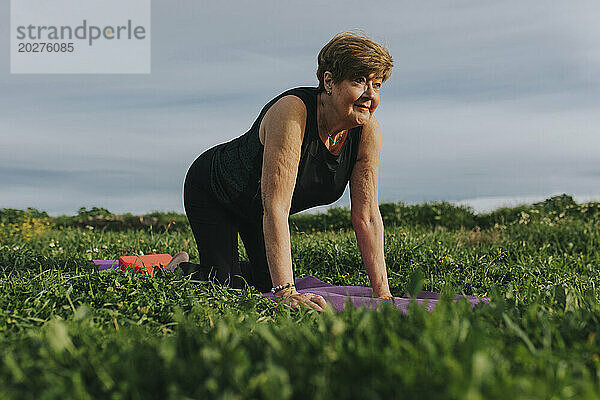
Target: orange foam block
<point x="147" y="262"/>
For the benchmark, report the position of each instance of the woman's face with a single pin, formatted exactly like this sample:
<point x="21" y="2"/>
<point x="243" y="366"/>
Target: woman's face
<point x="356" y="99"/>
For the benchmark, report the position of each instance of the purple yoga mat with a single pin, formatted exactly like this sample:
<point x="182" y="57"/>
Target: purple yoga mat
<point x="106" y="264"/>
<point x="338" y="296"/>
<point x="360" y="296"/>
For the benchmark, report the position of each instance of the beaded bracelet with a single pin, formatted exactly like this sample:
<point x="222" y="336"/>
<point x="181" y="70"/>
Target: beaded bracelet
<point x="281" y="287"/>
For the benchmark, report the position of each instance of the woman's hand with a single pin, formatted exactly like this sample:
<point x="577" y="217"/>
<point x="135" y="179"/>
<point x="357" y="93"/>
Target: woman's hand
<point x="310" y="300"/>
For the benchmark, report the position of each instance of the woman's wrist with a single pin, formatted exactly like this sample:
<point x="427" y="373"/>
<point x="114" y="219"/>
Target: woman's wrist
<point x="277" y="288"/>
<point x="288" y="291"/>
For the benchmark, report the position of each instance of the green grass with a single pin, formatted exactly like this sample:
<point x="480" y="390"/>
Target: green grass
<point x="70" y="331"/>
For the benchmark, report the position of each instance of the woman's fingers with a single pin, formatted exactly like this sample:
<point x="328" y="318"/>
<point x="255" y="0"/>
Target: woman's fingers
<point x="313" y="305"/>
<point x="320" y="301"/>
<point x="309" y="300"/>
<point x="290" y="302"/>
<point x="313" y="301"/>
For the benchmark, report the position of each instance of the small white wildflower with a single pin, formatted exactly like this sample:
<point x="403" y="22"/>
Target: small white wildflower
<point x="52" y="244"/>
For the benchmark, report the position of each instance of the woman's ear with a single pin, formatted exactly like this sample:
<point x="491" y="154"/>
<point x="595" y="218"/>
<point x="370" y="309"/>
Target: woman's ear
<point x="328" y="81"/>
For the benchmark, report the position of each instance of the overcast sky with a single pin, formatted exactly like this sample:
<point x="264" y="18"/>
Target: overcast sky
<point x="487" y="100"/>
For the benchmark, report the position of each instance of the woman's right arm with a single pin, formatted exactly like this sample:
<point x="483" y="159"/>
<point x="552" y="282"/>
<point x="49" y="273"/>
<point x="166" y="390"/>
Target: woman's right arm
<point x="283" y="130"/>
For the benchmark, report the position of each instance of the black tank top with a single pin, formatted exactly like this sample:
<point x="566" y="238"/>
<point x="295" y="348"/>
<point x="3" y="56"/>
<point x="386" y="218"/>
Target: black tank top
<point x="322" y="176"/>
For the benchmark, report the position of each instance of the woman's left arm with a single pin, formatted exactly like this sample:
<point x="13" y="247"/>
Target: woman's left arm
<point x="366" y="218"/>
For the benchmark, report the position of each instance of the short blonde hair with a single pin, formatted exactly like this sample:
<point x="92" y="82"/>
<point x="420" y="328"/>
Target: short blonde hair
<point x="349" y="55"/>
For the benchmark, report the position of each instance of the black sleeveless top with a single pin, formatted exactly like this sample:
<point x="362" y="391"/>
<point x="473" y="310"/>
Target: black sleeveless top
<point x="236" y="166"/>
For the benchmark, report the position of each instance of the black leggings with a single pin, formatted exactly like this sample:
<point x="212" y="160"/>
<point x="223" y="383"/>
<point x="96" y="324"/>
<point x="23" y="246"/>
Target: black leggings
<point x="216" y="232"/>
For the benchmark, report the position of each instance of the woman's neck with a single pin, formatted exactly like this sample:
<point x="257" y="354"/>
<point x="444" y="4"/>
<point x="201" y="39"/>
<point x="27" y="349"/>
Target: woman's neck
<point x="329" y="124"/>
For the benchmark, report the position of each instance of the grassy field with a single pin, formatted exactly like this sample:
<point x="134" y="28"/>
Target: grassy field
<point x="70" y="331"/>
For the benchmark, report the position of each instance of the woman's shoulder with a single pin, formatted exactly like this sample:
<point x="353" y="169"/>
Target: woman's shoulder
<point x="307" y="95"/>
<point x="370" y="138"/>
<point x="297" y="98"/>
<point x="298" y="101"/>
<point x="287" y="111"/>
<point x="288" y="105"/>
<point x="372" y="126"/>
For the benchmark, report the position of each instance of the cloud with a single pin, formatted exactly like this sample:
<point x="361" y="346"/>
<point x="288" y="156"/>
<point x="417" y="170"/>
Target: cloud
<point x="486" y="99"/>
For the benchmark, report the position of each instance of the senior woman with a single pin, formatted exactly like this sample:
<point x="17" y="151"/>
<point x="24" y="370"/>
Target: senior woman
<point x="302" y="150"/>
